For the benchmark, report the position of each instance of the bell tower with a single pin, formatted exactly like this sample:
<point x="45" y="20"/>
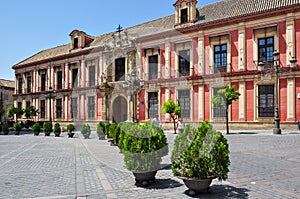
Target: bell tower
<point x="186" y="12"/>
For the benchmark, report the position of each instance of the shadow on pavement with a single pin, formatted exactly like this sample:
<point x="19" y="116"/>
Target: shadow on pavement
<point x="221" y="191"/>
<point x="163" y="184"/>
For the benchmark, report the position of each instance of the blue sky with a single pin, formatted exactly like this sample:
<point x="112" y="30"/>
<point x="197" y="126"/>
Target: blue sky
<point x="29" y="26"/>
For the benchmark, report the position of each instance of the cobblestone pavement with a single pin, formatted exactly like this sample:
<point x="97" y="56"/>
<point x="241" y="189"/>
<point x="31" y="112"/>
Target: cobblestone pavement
<point x="262" y="166"/>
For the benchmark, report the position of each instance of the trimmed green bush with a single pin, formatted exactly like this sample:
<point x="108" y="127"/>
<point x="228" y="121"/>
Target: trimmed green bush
<point x="143" y="146"/>
<point x="70" y="127"/>
<point x="47" y="128"/>
<point x="201" y="152"/>
<point x="85" y="130"/>
<point x="101" y="130"/>
<point x="17" y="127"/>
<point x="111" y="129"/>
<point x="56" y="128"/>
<point x="36" y="128"/>
<point x="5" y="128"/>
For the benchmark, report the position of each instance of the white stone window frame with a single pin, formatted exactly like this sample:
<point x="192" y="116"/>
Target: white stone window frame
<point x="190" y="88"/>
<point x="148" y="53"/>
<point x="89" y="63"/>
<point x="158" y="99"/>
<point x="211" y="90"/>
<point x="186" y="45"/>
<point x="219" y="40"/>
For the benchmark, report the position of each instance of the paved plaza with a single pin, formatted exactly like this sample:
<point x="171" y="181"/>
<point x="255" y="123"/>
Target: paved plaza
<point x="262" y="166"/>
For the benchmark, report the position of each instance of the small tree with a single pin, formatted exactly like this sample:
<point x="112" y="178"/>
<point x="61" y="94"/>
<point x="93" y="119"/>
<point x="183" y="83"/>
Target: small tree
<point x="11" y="111"/>
<point x="173" y="109"/>
<point x="30" y="111"/>
<point x="224" y="98"/>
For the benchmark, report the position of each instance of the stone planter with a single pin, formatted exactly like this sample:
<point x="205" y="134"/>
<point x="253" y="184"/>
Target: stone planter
<point x="71" y="134"/>
<point x="47" y="133"/>
<point x="17" y="132"/>
<point x="197" y="184"/>
<point x="36" y="133"/>
<point x="144" y="177"/>
<point x="86" y="135"/>
<point x="57" y="134"/>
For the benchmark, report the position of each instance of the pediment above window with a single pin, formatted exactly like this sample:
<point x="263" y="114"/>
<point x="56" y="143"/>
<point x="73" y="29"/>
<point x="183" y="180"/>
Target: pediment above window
<point x="80" y="39"/>
<point x="186" y="12"/>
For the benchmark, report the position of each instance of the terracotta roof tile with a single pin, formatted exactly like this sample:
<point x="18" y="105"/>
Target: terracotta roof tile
<point x="223" y="10"/>
<point x="7" y="83"/>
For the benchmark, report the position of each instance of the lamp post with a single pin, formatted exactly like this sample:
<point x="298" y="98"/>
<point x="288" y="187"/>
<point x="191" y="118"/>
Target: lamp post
<point x="277" y="70"/>
<point x="134" y="84"/>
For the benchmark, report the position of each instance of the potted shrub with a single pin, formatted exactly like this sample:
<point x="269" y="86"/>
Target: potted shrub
<point x="143" y="147"/>
<point x="70" y="129"/>
<point x="5" y="128"/>
<point x="17" y="128"/>
<point x="36" y="129"/>
<point x="86" y="131"/>
<point x="208" y="150"/>
<point x="101" y="130"/>
<point x="47" y="127"/>
<point x="0" y="127"/>
<point x="57" y="129"/>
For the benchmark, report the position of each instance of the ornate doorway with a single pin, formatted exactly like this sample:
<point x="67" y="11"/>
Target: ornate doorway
<point x="120" y="112"/>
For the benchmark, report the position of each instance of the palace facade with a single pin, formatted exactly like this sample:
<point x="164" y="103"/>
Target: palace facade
<point x="186" y="57"/>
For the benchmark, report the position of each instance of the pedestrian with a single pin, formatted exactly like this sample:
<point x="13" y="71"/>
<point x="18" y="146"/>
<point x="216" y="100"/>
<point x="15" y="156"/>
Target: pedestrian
<point x="155" y="120"/>
<point x="180" y="125"/>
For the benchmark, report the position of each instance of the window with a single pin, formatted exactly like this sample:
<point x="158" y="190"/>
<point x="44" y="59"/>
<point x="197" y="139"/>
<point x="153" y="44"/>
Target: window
<point x="20" y="85"/>
<point x="265" y="51"/>
<point x="43" y="109"/>
<point x="59" y="108"/>
<point x="184" y="63"/>
<point x="218" y="111"/>
<point x="75" y="78"/>
<point x="120" y="69"/>
<point x="74" y="105"/>
<point x="220" y="58"/>
<point x="43" y="82"/>
<point x="152" y="104"/>
<point x="153" y="67"/>
<point x="185" y="103"/>
<point x="59" y="80"/>
<point x="75" y="43"/>
<point x="266" y="101"/>
<point x="184" y="15"/>
<point x="92" y="72"/>
<point x="27" y="104"/>
<point x="28" y="84"/>
<point x="91" y="107"/>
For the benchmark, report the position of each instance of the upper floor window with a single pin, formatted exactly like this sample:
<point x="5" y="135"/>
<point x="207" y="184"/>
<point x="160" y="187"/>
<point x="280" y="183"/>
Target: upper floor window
<point x="91" y="64"/>
<point x="184" y="100"/>
<point x="20" y="85"/>
<point x="184" y="15"/>
<point x="120" y="69"/>
<point x="153" y="67"/>
<point x="218" y="111"/>
<point x="59" y="79"/>
<point x="220" y="58"/>
<point x="27" y="104"/>
<point x="184" y="63"/>
<point x="75" y="78"/>
<point x="29" y="84"/>
<point x="265" y="50"/>
<point x="43" y="82"/>
<point x="266" y="100"/>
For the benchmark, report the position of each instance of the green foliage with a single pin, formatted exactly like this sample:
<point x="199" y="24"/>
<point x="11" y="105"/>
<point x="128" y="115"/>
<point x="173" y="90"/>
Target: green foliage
<point x="11" y="111"/>
<point x="107" y="129"/>
<point x="110" y="129"/>
<point x="143" y="146"/>
<point x="116" y="135"/>
<point x="17" y="127"/>
<point x="36" y="127"/>
<point x="2" y="111"/>
<point x="205" y="156"/>
<point x="56" y="128"/>
<point x="30" y="112"/>
<point x="5" y="127"/>
<point x="100" y="128"/>
<point x="85" y="129"/>
<point x="225" y="96"/>
<point x="47" y="127"/>
<point x="70" y="127"/>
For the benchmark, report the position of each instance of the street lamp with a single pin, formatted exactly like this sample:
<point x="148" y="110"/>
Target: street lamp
<point x="50" y="95"/>
<point x="277" y="70"/>
<point x="134" y="84"/>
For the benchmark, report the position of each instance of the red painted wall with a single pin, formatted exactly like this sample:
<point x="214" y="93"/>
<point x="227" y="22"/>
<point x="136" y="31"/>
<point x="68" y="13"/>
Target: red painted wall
<point x="206" y="103"/>
<point x="195" y="101"/>
<point x="250" y="101"/>
<point x="206" y="54"/>
<point x="235" y="106"/>
<point x="234" y="50"/>
<point x="142" y="105"/>
<point x="297" y="81"/>
<point x="172" y="59"/>
<point x="283" y="99"/>
<point x="162" y="100"/>
<point x="249" y="49"/>
<point x="195" y="57"/>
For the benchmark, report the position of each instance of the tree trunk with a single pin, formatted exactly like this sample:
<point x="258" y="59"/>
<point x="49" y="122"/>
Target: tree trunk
<point x="227" y="125"/>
